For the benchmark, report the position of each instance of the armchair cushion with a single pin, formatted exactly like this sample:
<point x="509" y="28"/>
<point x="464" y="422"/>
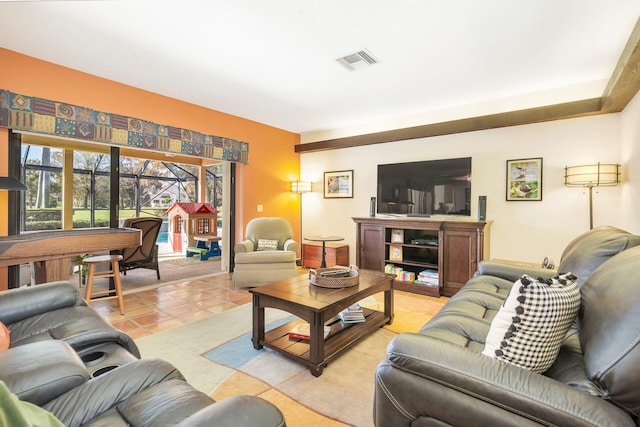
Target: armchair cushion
<point x="266" y="257"/>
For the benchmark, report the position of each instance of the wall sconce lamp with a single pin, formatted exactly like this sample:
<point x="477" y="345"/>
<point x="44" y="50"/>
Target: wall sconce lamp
<point x="8" y="183"/>
<point x="589" y="176"/>
<point x="300" y="187"/>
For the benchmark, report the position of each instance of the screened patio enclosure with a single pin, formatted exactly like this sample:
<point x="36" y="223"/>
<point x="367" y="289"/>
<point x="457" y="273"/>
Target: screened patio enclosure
<point x="147" y="186"/>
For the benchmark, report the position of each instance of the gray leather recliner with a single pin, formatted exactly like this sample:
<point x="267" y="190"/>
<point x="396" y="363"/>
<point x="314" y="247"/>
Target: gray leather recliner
<point x="146" y="392"/>
<point x="56" y="311"/>
<point x="438" y="376"/>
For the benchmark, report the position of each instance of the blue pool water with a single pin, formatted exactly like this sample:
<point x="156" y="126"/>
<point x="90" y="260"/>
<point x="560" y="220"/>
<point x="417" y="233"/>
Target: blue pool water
<point x="163" y="237"/>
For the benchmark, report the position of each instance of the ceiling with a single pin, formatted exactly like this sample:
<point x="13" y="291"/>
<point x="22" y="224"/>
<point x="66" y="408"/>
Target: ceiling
<point x="275" y="61"/>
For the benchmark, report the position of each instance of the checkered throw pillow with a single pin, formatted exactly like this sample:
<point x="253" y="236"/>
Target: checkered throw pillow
<point x="529" y="328"/>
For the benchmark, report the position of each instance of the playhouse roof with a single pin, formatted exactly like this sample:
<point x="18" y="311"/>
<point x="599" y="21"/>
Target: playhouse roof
<point x="193" y="208"/>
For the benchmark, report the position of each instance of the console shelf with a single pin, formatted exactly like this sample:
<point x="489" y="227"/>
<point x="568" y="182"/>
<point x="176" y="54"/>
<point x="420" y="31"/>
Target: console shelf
<point x="451" y="248"/>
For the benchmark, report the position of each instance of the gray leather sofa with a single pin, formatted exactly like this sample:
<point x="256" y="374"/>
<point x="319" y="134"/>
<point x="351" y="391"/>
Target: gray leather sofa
<point x="65" y="359"/>
<point x="438" y="376"/>
<point x="146" y="392"/>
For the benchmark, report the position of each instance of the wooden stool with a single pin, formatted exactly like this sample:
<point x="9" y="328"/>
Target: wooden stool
<point x="113" y="272"/>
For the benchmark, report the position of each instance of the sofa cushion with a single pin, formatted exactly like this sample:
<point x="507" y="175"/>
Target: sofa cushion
<point x="610" y="330"/>
<point x="529" y="328"/>
<point x="588" y="251"/>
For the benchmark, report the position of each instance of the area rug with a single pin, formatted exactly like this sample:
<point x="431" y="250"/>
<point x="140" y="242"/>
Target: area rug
<point x="217" y="357"/>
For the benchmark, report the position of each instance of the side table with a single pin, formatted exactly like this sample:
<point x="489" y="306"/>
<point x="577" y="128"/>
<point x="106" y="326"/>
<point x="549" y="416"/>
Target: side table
<point x="324" y="240"/>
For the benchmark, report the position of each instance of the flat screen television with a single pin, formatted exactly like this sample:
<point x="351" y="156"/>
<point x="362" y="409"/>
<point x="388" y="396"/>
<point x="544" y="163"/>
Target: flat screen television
<point x="424" y="188"/>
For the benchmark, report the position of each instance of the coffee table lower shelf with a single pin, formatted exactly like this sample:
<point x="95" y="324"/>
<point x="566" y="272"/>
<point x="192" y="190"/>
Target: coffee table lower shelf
<point x="341" y="338"/>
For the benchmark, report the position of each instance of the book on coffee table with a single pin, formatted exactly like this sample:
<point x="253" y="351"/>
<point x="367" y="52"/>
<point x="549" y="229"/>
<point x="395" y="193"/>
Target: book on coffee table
<point x="302" y="332"/>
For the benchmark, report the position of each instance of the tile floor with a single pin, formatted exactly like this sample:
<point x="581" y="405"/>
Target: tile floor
<point x="165" y="307"/>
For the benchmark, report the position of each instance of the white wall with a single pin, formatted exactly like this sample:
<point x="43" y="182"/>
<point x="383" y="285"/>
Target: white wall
<point x="630" y="136"/>
<point x="521" y="230"/>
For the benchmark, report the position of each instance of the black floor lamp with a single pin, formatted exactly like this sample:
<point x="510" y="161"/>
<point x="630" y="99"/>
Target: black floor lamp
<point x="589" y="176"/>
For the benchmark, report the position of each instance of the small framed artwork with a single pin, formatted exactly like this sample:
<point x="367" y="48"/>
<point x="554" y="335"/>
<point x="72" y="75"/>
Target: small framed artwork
<point x="395" y="252"/>
<point x="397" y="236"/>
<point x="524" y="179"/>
<point x="338" y="184"/>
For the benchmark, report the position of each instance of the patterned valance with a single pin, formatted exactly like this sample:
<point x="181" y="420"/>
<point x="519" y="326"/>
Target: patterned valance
<point x="37" y="115"/>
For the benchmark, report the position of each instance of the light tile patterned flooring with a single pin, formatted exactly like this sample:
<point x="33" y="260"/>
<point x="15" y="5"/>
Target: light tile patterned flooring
<point x="151" y="311"/>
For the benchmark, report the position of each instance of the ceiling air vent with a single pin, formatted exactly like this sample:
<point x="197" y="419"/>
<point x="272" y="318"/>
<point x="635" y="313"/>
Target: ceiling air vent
<point x="358" y="60"/>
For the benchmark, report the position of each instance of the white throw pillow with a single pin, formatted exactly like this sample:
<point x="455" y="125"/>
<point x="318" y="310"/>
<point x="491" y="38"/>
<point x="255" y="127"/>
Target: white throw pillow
<point x="267" y="245"/>
<point x="529" y="328"/>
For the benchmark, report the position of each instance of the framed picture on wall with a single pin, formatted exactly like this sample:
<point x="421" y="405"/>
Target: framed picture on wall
<point x="338" y="184"/>
<point x="524" y="179"/>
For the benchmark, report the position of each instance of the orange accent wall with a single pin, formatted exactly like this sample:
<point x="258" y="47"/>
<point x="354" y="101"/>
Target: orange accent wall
<point x="273" y="161"/>
<point x="4" y="226"/>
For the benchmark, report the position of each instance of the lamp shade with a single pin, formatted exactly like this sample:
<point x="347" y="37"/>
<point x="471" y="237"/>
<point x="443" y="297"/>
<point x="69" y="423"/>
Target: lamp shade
<point x="300" y="187"/>
<point x="8" y="183"/>
<point x="596" y="175"/>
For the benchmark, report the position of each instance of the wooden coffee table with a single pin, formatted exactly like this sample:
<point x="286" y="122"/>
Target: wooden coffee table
<point x="319" y="306"/>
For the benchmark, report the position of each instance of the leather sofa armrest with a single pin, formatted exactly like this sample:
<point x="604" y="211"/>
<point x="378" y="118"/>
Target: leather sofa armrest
<point x="19" y="304"/>
<point x="472" y="380"/>
<point x="41" y="371"/>
<point x="244" y="246"/>
<point x="237" y="411"/>
<point x="290" y="245"/>
<point x="512" y="272"/>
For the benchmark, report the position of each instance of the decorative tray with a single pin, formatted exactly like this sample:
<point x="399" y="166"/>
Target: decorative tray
<point x="334" y="277"/>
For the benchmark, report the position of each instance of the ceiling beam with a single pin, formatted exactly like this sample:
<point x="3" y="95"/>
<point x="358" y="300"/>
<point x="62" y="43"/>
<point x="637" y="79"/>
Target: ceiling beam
<point x="621" y="88"/>
<point x="625" y="80"/>
<point x="493" y="121"/>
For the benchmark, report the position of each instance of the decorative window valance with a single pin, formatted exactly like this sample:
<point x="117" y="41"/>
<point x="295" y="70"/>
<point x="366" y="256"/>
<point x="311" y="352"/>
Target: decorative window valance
<point x="37" y="115"/>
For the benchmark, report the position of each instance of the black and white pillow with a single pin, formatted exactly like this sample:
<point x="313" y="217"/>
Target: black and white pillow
<point x="529" y="328"/>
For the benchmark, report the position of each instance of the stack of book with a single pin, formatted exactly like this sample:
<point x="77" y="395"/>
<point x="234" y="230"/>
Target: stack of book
<point x="428" y="278"/>
<point x="352" y="314"/>
<point x="302" y="332"/>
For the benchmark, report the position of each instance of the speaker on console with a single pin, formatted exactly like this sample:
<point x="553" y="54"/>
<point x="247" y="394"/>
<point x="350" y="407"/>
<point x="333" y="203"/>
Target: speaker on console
<point x="372" y="207"/>
<point x="482" y="208"/>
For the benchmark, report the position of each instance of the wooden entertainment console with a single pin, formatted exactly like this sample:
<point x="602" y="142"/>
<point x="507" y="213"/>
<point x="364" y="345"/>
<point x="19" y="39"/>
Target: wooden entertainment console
<point x="451" y="247"/>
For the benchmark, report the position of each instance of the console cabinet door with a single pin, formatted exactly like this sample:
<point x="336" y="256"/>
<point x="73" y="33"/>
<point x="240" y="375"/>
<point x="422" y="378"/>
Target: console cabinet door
<point x="371" y="247"/>
<point x="460" y="259"/>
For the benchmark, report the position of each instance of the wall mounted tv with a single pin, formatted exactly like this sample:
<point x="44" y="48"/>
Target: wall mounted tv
<point x="424" y="188"/>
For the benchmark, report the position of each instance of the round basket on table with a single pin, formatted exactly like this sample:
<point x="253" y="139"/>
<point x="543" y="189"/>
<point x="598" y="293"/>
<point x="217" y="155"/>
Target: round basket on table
<point x="334" y="277"/>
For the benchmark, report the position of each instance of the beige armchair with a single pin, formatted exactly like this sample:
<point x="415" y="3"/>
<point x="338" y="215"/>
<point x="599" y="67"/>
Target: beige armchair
<point x="267" y="254"/>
